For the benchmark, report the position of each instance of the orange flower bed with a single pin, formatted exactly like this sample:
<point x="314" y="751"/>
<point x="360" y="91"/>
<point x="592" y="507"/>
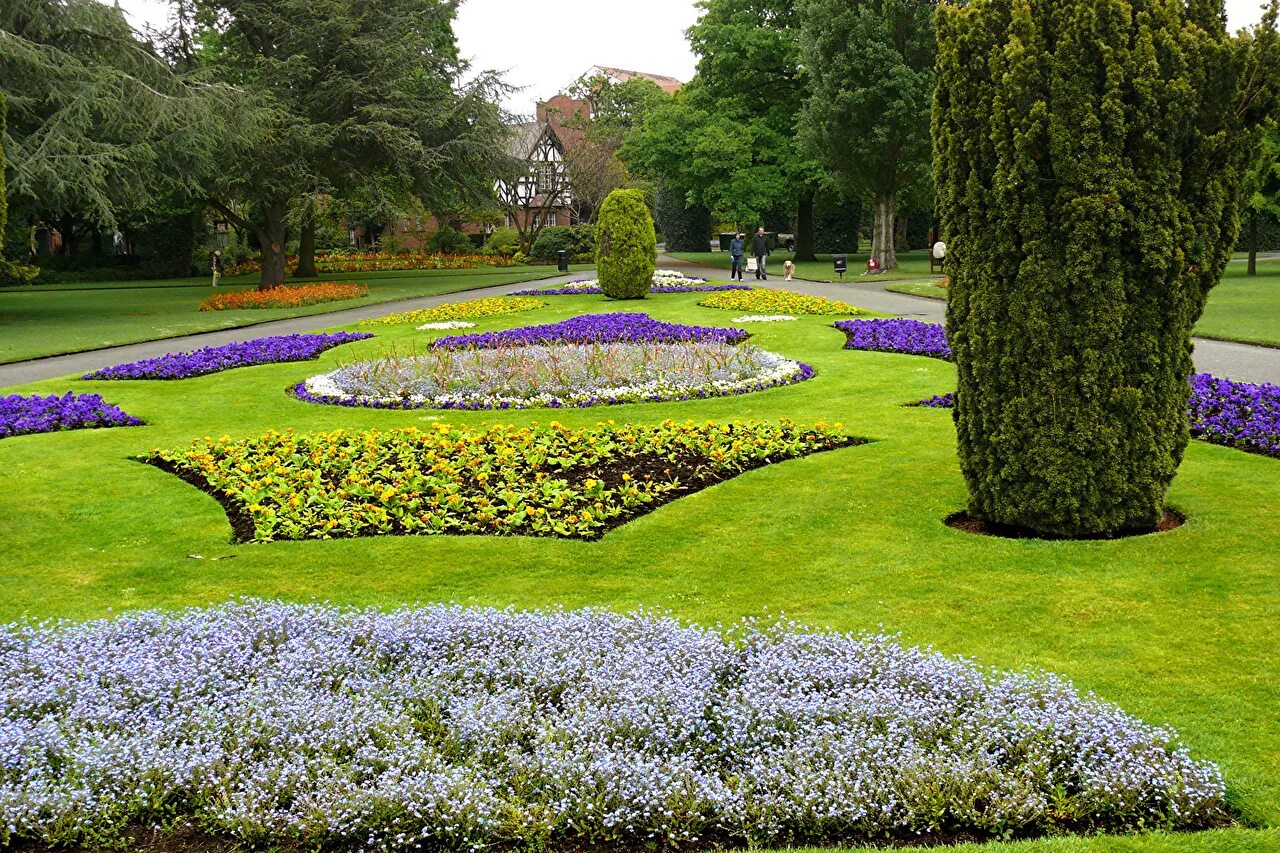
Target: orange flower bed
<point x="284" y="297"/>
<point x="375" y="261"/>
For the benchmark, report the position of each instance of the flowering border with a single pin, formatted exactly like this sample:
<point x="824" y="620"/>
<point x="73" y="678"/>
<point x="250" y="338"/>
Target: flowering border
<point x="896" y="335"/>
<point x="280" y="349"/>
<point x="37" y="414"/>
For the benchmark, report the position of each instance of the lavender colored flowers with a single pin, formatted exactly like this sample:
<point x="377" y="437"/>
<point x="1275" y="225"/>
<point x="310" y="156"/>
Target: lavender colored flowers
<point x="1236" y="414"/>
<point x="450" y="727"/>
<point x="239" y="354"/>
<point x="621" y="327"/>
<point x="912" y="337"/>
<point x="22" y="415"/>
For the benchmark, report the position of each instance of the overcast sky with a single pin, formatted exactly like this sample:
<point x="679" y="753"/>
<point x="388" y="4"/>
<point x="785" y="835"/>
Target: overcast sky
<point x="544" y="46"/>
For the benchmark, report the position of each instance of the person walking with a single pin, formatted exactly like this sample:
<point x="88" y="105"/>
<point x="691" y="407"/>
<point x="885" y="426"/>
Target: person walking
<point x="760" y="249"/>
<point x="737" y="252"/>
<point x="215" y="264"/>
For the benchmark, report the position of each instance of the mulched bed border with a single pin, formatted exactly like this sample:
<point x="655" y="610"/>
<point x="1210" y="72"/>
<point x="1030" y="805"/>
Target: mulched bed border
<point x="966" y="523"/>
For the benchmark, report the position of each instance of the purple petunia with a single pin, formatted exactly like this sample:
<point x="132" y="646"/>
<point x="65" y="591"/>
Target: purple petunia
<point x="594" y="328"/>
<point x="283" y="348"/>
<point x="653" y="288"/>
<point x="911" y="337"/>
<point x="22" y="415"/>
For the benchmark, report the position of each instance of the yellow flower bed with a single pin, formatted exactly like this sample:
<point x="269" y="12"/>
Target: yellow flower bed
<point x="776" y="302"/>
<point x="492" y="306"/>
<point x="536" y="481"/>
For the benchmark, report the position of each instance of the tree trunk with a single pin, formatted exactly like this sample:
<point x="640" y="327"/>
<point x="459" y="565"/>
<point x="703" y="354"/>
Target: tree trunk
<point x="1253" y="243"/>
<point x="44" y="241"/>
<point x="882" y="232"/>
<point x="900" y="234"/>
<point x="272" y="237"/>
<point x="307" y="251"/>
<point x="804" y="227"/>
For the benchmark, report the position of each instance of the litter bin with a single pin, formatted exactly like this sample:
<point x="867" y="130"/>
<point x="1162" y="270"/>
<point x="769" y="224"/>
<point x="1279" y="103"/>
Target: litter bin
<point x="563" y="257"/>
<point x="725" y="240"/>
<point x="841" y="263"/>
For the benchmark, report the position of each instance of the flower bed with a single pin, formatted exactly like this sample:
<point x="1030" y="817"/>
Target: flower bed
<point x="26" y="415"/>
<point x="539" y="481"/>
<point x="664" y="281"/>
<point x="937" y="401"/>
<point x="206" y="360"/>
<point x="312" y="727"/>
<point x="493" y="306"/>
<point x="446" y="326"/>
<point x="768" y="301"/>
<point x="288" y="296"/>
<point x="620" y="327"/>
<point x="1236" y="414"/>
<point x="375" y="261"/>
<point x="563" y="375"/>
<point x="764" y="318"/>
<point x="911" y="337"/>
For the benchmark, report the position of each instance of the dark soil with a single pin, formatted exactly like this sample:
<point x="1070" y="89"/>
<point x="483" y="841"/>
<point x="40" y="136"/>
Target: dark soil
<point x="970" y="524"/>
<point x="689" y="470"/>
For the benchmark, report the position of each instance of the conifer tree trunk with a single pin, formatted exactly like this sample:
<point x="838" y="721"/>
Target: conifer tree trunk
<point x="306" y="251"/>
<point x="804" y="227"/>
<point x="272" y="238"/>
<point x="882" y="237"/>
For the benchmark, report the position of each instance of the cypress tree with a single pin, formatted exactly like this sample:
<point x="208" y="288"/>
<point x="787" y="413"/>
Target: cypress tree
<point x="626" y="246"/>
<point x="1089" y="159"/>
<point x="4" y="201"/>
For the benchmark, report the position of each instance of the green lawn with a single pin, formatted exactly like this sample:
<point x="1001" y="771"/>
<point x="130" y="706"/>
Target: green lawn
<point x="54" y="319"/>
<point x="910" y="265"/>
<point x="1179" y="629"/>
<point x="1242" y="308"/>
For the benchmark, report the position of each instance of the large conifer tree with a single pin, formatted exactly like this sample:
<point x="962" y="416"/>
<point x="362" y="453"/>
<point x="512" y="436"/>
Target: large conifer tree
<point x="1089" y="157"/>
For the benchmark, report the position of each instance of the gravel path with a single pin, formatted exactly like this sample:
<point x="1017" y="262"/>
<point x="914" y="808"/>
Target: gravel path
<point x="1241" y="362"/>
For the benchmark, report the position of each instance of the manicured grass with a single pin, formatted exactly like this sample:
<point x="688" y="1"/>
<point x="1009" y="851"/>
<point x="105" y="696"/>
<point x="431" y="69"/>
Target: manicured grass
<point x="41" y="321"/>
<point x="1242" y="308"/>
<point x="1177" y="628"/>
<point x="910" y="265"/>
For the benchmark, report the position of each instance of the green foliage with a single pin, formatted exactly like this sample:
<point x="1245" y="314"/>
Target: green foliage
<point x="576" y="240"/>
<point x="835" y="225"/>
<point x="1090" y="161"/>
<point x="626" y="247"/>
<point x="685" y="227"/>
<point x="503" y="241"/>
<point x="448" y="240"/>
<point x="166" y="242"/>
<point x="10" y="273"/>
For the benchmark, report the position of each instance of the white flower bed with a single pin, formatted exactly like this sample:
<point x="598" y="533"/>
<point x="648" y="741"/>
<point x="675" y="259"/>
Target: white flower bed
<point x="456" y="728"/>
<point x="448" y="324"/>
<point x="763" y="318"/>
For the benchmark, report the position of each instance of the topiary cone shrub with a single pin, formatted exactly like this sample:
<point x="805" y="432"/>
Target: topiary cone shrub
<point x="626" y="246"/>
<point x="1089" y="157"/>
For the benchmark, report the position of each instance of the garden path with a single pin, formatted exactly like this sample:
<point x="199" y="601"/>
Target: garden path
<point x="1241" y="362"/>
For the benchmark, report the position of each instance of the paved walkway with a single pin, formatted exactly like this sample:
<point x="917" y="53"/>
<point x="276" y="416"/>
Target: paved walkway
<point x="1235" y="361"/>
<point x="1242" y="362"/>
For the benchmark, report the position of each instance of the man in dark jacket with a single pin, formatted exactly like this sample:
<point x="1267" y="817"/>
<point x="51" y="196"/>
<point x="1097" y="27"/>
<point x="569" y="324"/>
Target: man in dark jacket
<point x="737" y="250"/>
<point x="760" y="248"/>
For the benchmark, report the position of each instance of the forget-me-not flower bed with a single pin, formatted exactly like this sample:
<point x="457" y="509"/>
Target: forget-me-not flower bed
<point x="25" y="415"/>
<point x="450" y="727"/>
<point x="273" y="350"/>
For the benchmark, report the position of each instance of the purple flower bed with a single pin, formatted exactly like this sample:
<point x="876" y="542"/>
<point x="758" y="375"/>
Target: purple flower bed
<point x="594" y="328"/>
<point x="653" y="288"/>
<point x="455" y="728"/>
<point x="938" y="401"/>
<point x="912" y="337"/>
<point x="20" y="415"/>
<point x="207" y="360"/>
<point x="1236" y="414"/>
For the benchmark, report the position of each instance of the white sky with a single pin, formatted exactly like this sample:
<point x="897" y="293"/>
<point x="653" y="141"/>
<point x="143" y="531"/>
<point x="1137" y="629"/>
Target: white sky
<point x="544" y="46"/>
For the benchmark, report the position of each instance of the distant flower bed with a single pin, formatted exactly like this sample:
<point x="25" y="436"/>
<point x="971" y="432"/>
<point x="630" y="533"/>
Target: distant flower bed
<point x="442" y="327"/>
<point x="938" y="401"/>
<point x="539" y="481"/>
<point x="450" y="728"/>
<point x="285" y="296"/>
<point x="776" y="302"/>
<point x="27" y="415"/>
<point x="239" y="354"/>
<point x="493" y="306"/>
<point x="664" y="281"/>
<point x="375" y="261"/>
<point x="911" y="337"/>
<point x="619" y="327"/>
<point x="1236" y="414"/>
<point x="559" y="376"/>
<point x="764" y="318"/>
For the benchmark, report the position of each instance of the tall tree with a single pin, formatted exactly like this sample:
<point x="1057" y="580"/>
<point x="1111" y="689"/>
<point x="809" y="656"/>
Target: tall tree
<point x="354" y="89"/>
<point x="871" y="75"/>
<point x="728" y="140"/>
<point x="1091" y="156"/>
<point x="1264" y="201"/>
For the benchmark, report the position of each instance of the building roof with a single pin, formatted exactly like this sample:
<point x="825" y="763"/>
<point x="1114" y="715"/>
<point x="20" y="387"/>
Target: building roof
<point x="523" y="138"/>
<point x="622" y="75"/>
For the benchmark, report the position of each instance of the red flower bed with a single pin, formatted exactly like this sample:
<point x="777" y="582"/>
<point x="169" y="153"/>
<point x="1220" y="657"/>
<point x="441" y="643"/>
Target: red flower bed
<point x="375" y="261"/>
<point x="284" y="297"/>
